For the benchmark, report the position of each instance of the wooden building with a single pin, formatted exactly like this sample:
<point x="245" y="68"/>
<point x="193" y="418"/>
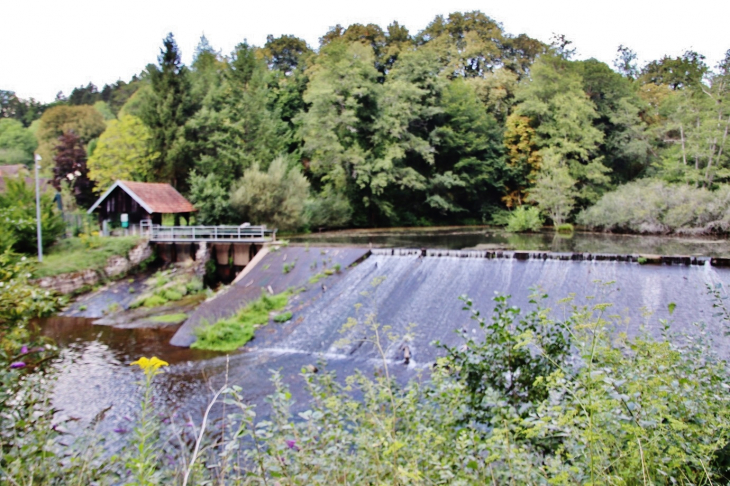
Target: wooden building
<point x="137" y="201"/>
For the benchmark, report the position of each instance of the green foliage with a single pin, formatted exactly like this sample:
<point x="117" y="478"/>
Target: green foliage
<point x="503" y="361"/>
<point x="87" y="252"/>
<point x="210" y="198"/>
<point x="232" y="333"/>
<point x="17" y="143"/>
<point x="154" y="301"/>
<point x="169" y="318"/>
<point x="166" y="108"/>
<point x="565" y="228"/>
<point x="275" y="197"/>
<point x="283" y="317"/>
<point x="653" y="206"/>
<point x="122" y="153"/>
<point x="524" y="218"/>
<point x="288" y="267"/>
<point x="84" y="121"/>
<point x="171" y="295"/>
<point x="18" y="218"/>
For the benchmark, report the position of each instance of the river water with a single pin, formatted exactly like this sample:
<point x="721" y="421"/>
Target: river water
<point x="460" y="238"/>
<point x="415" y="295"/>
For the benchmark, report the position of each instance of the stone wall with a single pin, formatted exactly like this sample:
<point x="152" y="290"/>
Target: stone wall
<point x="68" y="283"/>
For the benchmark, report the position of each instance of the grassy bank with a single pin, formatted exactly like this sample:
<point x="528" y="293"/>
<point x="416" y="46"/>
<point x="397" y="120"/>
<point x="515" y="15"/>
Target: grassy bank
<point x="232" y="333"/>
<point x="84" y="253"/>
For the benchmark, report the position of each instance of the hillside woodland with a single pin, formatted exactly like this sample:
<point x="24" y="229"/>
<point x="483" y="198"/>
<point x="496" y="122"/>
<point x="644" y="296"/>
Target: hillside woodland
<point x="455" y="124"/>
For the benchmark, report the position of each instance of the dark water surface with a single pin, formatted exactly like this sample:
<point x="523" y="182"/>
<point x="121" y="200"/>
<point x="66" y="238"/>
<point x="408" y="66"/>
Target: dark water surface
<point x="460" y="238"/>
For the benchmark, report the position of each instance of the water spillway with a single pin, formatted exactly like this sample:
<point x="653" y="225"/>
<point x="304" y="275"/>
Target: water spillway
<point x="414" y="294"/>
<point x="425" y="291"/>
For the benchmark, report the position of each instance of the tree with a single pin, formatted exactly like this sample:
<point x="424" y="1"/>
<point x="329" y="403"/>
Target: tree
<point x="678" y="73"/>
<point x="17" y="143"/>
<point x="122" y="153"/>
<point x="275" y="197"/>
<point x="70" y="167"/>
<point x="168" y="106"/>
<point x="554" y="191"/>
<point x="343" y="95"/>
<point x="285" y="53"/>
<point x="563" y="117"/>
<point x="25" y="111"/>
<point x="86" y="123"/>
<point x="18" y="217"/>
<point x="210" y="198"/>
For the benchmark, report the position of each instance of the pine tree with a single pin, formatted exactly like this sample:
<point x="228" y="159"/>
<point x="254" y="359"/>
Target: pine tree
<point x="166" y="110"/>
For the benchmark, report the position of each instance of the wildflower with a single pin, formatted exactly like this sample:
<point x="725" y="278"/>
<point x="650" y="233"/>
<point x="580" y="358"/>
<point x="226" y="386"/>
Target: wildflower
<point x="120" y="430"/>
<point x="24" y="350"/>
<point x="292" y="444"/>
<point x="150" y="366"/>
<point x="17" y="364"/>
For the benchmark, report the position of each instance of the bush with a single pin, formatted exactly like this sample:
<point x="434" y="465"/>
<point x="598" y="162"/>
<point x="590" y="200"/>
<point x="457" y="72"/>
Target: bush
<point x="524" y="218"/>
<point x="654" y="206"/>
<point x="275" y="197"/>
<point x="172" y="295"/>
<point x="565" y="228"/>
<point x="154" y="301"/>
<point x="18" y="218"/>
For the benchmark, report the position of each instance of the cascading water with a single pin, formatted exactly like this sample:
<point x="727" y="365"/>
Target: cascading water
<point x="417" y="290"/>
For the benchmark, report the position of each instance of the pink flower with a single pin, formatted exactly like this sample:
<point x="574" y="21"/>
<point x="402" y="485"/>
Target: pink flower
<point x="292" y="444"/>
<point x="24" y="350"/>
<point x="17" y="364"/>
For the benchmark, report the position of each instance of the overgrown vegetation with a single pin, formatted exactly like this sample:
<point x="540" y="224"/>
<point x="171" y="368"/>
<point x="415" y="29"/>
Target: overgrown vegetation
<point x="524" y="218"/>
<point x="169" y="285"/>
<point x="232" y="333"/>
<point x="655" y="206"/>
<point x="530" y="400"/>
<point x="85" y="252"/>
<point x="18" y="217"/>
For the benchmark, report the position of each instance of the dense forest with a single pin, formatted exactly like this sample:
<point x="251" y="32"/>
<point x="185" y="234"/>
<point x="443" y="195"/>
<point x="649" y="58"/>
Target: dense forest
<point x="461" y="123"/>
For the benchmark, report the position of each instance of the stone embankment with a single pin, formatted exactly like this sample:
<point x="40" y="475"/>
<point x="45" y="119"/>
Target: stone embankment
<point x="69" y="283"/>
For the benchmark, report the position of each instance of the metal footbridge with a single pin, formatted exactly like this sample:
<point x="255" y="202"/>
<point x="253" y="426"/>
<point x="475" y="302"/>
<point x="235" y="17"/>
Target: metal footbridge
<point x="209" y="234"/>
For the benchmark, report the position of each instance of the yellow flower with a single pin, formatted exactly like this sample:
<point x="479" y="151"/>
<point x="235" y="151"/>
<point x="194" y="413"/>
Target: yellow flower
<point x="150" y="365"/>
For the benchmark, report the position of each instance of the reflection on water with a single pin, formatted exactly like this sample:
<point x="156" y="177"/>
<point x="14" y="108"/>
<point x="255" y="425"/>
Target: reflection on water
<point x="459" y="238"/>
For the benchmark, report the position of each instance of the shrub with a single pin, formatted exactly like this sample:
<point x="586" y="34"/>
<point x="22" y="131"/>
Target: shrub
<point x="154" y="301"/>
<point x="283" y="317"/>
<point x="172" y="295"/>
<point x="654" y="206"/>
<point x="18" y="218"/>
<point x="524" y="218"/>
<point x="565" y="228"/>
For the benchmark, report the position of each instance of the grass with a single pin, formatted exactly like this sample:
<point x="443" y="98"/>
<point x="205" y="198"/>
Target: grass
<point x="232" y="333"/>
<point x="316" y="278"/>
<point x="169" y="318"/>
<point x="283" y="317"/>
<point x="77" y="254"/>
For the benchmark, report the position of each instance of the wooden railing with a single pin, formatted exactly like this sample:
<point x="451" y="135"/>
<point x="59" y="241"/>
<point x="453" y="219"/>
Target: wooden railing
<point x="243" y="234"/>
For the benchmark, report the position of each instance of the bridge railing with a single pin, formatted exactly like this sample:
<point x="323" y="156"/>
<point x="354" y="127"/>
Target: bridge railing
<point x="209" y="233"/>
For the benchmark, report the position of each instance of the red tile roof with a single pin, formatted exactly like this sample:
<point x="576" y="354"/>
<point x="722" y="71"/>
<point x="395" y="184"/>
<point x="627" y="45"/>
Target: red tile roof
<point x="159" y="197"/>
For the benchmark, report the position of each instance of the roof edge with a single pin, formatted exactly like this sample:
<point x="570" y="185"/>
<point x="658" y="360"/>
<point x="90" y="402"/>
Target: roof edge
<point x="125" y="189"/>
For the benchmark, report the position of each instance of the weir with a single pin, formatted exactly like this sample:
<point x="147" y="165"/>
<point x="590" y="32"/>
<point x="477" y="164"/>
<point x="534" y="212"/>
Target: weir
<point x="416" y="294"/>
